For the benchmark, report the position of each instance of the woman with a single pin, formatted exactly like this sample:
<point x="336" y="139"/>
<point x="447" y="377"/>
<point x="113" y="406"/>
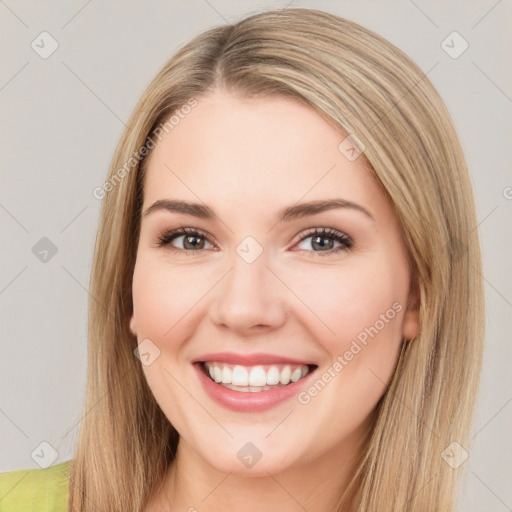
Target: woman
<point x="229" y="364"/>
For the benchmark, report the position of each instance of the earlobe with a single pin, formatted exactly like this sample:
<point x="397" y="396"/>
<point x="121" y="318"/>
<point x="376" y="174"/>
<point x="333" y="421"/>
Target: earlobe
<point x="411" y="320"/>
<point x="133" y="325"/>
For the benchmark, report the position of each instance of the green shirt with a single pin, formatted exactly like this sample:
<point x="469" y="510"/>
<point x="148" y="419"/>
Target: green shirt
<point x="35" y="490"/>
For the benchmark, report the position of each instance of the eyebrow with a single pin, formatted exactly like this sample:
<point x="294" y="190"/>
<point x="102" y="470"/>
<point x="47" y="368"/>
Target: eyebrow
<point x="289" y="213"/>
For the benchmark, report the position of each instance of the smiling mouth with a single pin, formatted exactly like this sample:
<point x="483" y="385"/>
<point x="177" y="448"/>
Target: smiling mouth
<point x="255" y="378"/>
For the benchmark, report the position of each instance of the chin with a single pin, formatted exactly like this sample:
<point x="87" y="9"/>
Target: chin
<point x="245" y="458"/>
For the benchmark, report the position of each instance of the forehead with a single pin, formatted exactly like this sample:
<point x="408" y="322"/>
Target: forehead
<point x="255" y="152"/>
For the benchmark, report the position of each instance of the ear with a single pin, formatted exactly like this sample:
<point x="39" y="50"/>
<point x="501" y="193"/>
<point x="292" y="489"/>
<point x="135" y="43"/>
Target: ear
<point x="411" y="320"/>
<point x="133" y="325"/>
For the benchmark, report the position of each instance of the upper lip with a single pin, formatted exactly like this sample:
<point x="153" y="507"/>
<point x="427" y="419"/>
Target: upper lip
<point x="249" y="359"/>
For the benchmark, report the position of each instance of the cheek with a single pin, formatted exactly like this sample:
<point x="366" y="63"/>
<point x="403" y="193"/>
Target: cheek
<point x="164" y="298"/>
<point x="166" y="304"/>
<point x="346" y="302"/>
<point x="360" y="309"/>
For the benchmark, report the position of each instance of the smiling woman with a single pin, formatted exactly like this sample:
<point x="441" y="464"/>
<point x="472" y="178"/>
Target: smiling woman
<point x="248" y="332"/>
<point x="288" y="309"/>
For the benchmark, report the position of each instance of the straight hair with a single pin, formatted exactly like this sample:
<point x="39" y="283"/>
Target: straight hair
<point x="361" y="84"/>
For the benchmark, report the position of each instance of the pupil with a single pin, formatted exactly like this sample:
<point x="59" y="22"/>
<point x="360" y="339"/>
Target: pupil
<point x="187" y="241"/>
<point x="315" y="240"/>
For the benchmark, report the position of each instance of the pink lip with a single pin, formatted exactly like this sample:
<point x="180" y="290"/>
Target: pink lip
<point x="249" y="402"/>
<point x="249" y="359"/>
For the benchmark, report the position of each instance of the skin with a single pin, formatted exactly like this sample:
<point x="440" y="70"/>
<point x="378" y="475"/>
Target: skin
<point x="247" y="159"/>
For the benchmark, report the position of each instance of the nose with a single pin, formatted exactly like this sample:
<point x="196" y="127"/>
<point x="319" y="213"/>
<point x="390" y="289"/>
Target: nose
<point x="249" y="299"/>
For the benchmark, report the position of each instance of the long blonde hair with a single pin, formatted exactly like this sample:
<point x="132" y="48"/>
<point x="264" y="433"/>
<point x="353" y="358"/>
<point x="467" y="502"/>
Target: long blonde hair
<point x="363" y="84"/>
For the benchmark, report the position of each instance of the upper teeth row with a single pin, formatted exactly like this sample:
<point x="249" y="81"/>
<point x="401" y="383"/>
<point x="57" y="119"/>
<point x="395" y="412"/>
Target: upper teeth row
<point x="255" y="375"/>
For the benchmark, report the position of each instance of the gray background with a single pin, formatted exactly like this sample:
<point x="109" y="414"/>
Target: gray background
<point x="61" y="120"/>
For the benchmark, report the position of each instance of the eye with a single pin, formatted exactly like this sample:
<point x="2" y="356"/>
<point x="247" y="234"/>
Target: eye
<point x="319" y="236"/>
<point x="191" y="240"/>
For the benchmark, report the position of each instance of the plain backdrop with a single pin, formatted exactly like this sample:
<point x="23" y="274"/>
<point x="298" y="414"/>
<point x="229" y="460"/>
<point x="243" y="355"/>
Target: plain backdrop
<point x="61" y="118"/>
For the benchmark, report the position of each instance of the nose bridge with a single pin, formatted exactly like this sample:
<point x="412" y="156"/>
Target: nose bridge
<point x="250" y="294"/>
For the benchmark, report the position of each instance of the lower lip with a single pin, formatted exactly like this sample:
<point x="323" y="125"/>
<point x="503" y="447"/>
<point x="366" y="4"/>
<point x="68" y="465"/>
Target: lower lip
<point x="248" y="401"/>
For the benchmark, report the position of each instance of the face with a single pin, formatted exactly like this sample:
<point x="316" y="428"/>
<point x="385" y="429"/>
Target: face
<point x="323" y="290"/>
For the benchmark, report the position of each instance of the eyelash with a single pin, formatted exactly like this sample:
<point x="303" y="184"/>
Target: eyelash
<point x="346" y="242"/>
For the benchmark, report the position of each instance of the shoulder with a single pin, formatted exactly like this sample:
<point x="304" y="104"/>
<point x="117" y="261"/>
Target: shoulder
<point x="35" y="490"/>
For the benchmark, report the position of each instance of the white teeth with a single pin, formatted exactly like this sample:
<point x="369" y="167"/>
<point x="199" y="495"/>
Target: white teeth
<point x="285" y="375"/>
<point x="226" y="375"/>
<point x="217" y="374"/>
<point x="273" y="376"/>
<point x="255" y="378"/>
<point x="240" y="376"/>
<point x="248" y="389"/>
<point x="296" y="374"/>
